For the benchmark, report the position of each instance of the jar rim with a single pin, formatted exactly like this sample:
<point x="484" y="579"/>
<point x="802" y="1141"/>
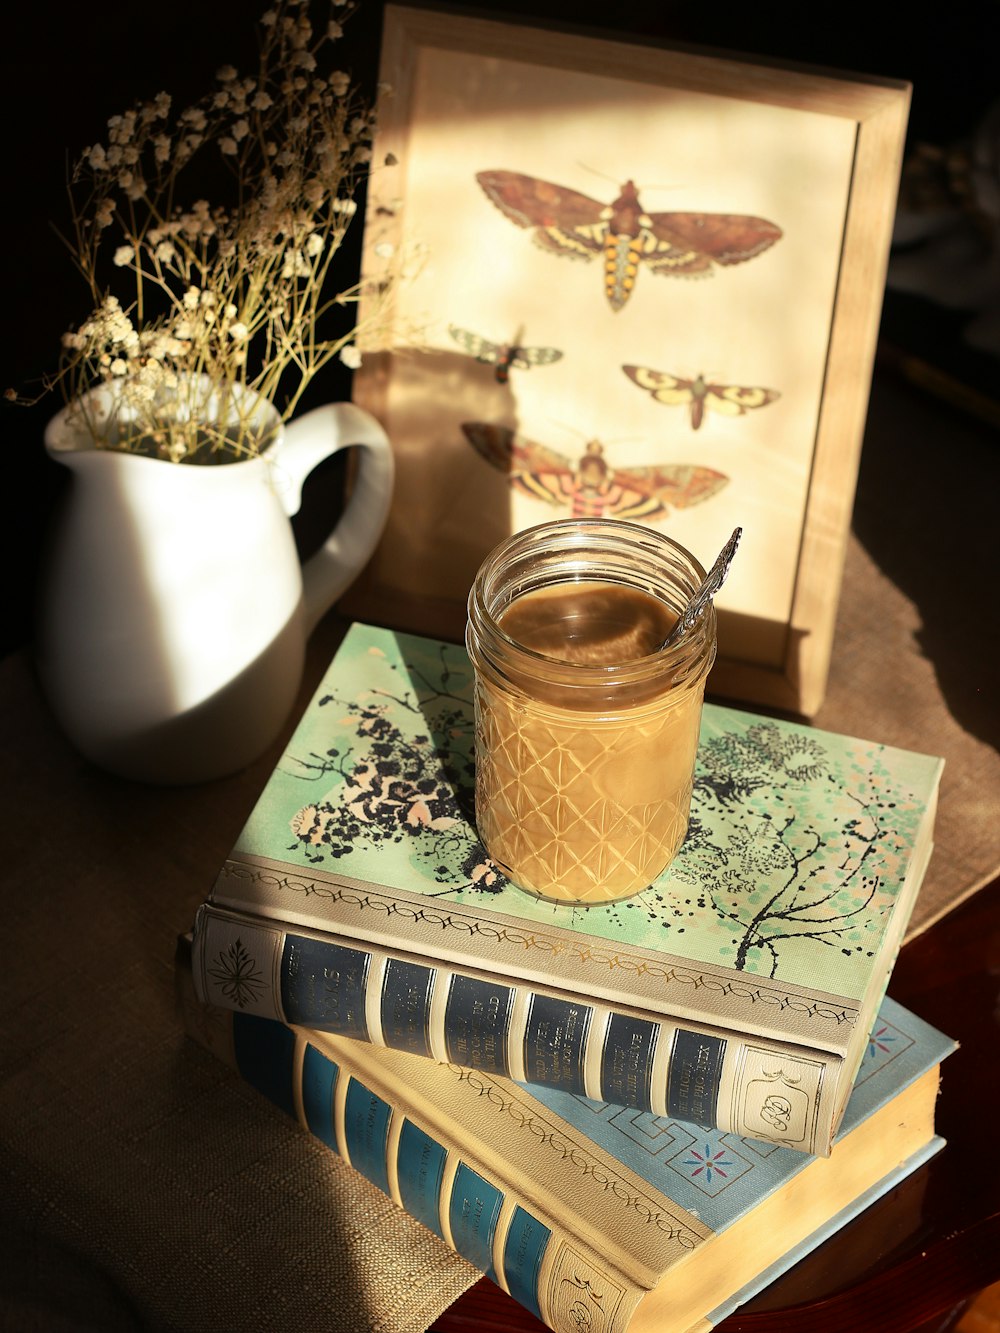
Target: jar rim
<point x="664" y="557"/>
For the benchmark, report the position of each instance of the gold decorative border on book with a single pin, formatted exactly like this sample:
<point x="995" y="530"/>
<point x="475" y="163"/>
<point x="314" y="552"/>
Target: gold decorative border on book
<point x="679" y="1227"/>
<point x="571" y="960"/>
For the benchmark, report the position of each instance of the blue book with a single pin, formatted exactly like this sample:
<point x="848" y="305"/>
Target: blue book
<point x="590" y="1214"/>
<point x="735" y="993"/>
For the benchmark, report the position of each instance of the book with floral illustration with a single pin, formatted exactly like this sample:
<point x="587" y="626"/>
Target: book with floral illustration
<point x="592" y="1216"/>
<point x="737" y="991"/>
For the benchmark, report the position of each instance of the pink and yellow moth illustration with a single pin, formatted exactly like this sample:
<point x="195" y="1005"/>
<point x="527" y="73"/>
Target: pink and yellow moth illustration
<point x="589" y="487"/>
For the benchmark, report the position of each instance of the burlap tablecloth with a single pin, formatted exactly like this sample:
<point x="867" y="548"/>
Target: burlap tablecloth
<point x="142" y="1186"/>
<point x="916" y="659"/>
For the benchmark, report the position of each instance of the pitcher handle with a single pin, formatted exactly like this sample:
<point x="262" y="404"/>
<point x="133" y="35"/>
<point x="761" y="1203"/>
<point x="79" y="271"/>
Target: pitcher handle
<point x="308" y="440"/>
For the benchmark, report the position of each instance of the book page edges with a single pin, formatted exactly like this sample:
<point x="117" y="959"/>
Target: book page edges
<point x="830" y="1228"/>
<point x="897" y="1133"/>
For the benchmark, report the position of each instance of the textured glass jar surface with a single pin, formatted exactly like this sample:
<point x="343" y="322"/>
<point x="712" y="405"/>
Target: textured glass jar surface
<point x="584" y="768"/>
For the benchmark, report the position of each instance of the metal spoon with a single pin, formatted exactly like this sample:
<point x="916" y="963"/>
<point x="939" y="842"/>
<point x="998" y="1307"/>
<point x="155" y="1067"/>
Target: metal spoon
<point x="713" y="581"/>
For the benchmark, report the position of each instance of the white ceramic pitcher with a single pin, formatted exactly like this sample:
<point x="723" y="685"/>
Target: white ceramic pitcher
<point x="174" y="610"/>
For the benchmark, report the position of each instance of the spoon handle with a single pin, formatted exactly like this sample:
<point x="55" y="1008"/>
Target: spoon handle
<point x="714" y="580"/>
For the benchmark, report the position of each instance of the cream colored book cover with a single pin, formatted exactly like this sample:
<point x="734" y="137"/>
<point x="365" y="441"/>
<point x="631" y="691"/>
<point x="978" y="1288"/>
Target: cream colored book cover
<point x="593" y="1216"/>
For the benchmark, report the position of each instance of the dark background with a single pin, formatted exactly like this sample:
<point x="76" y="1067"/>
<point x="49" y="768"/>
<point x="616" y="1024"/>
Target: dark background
<point x="67" y="67"/>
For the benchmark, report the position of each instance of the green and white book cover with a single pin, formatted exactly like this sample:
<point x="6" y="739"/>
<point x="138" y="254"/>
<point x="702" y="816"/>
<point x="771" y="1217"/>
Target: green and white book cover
<point x="780" y="916"/>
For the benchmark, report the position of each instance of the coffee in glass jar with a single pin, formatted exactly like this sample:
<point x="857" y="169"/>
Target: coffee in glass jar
<point x="586" y="725"/>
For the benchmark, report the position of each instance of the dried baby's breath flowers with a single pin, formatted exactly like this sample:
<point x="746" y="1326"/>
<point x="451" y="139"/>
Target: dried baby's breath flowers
<point x="204" y="301"/>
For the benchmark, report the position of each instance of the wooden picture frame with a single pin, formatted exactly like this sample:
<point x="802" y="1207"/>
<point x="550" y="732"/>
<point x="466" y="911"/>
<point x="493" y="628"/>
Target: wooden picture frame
<point x="723" y="382"/>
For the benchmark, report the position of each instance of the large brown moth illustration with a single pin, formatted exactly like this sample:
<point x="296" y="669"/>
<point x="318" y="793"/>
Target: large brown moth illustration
<point x="503" y="355"/>
<point x="572" y="224"/>
<point x="590" y="487"/>
<point x="699" y="394"/>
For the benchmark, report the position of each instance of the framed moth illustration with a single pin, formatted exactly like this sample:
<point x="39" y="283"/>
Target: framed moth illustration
<point x="637" y="283"/>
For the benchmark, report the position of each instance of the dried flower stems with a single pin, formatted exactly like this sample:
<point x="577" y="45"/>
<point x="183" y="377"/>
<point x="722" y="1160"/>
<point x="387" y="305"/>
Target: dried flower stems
<point x="226" y="297"/>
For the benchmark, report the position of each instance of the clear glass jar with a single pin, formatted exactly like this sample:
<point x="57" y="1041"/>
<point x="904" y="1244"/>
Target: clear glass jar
<point x="586" y="737"/>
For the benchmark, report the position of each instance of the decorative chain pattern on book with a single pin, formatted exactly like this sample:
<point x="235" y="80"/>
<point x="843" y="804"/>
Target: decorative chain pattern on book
<point x="359" y="899"/>
<point x="264" y="879"/>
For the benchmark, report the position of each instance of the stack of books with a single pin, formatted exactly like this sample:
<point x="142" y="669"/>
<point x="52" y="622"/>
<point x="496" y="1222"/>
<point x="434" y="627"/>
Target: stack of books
<point x="628" y="1116"/>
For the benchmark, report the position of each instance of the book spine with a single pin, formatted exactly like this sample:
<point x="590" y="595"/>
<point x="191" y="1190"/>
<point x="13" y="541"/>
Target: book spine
<point x="428" y="1172"/>
<point x="718" y="1080"/>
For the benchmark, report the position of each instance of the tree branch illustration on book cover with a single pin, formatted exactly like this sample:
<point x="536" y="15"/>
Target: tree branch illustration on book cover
<point x="780" y="874"/>
<point x="797" y="845"/>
